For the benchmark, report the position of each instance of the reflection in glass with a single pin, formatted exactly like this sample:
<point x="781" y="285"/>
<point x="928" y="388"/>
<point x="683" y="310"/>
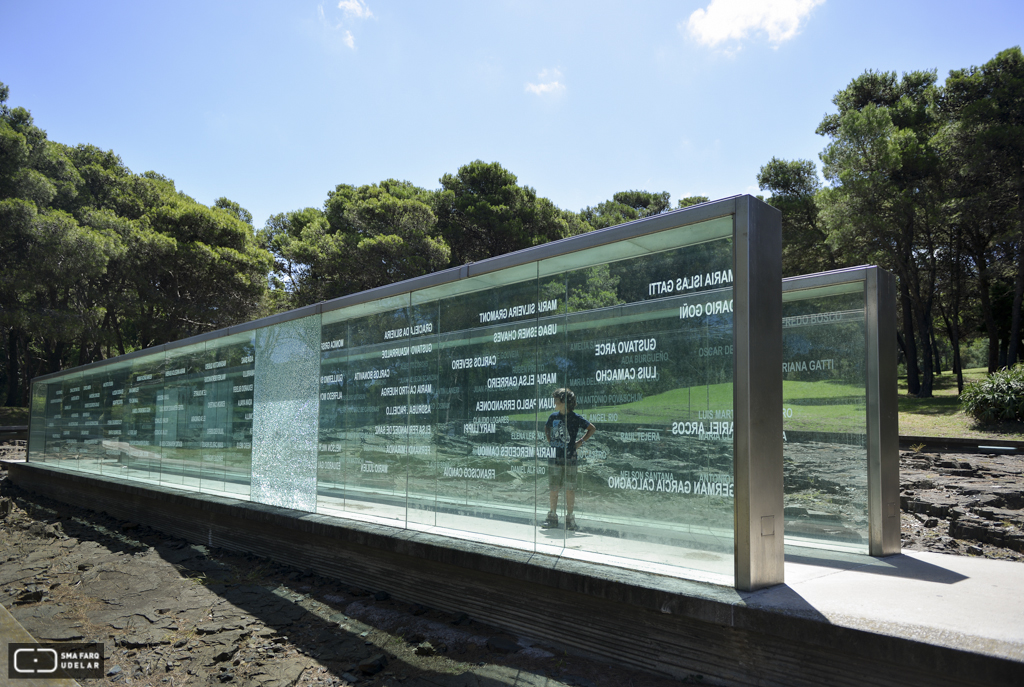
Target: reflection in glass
<point x="431" y="409"/>
<point x="228" y="371"/>
<point x="825" y="418"/>
<point x="181" y="418"/>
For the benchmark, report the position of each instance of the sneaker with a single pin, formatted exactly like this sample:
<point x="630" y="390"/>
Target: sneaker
<point x="570" y="524"/>
<point x="552" y="520"/>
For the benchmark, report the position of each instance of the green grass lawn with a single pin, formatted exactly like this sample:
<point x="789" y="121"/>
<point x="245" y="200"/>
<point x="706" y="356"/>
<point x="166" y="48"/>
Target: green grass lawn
<point x="940" y="415"/>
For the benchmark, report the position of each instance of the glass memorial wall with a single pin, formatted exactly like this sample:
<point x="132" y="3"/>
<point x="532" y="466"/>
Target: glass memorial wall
<point x="827" y="374"/>
<point x="181" y="417"/>
<point x="434" y="405"/>
<point x="433" y="408"/>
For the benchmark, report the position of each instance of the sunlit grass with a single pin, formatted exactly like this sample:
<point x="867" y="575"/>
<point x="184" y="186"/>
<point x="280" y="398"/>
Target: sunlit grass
<point x="940" y="415"/>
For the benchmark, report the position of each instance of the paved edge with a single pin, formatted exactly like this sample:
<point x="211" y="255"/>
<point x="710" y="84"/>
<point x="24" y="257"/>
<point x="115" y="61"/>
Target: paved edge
<point x="11" y="632"/>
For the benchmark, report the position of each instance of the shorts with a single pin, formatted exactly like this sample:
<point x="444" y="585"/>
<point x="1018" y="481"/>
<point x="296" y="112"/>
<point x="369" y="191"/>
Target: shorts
<point x="562" y="472"/>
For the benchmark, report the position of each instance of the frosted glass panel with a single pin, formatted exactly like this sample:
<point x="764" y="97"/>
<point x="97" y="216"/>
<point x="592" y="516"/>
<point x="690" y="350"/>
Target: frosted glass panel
<point x="285" y="414"/>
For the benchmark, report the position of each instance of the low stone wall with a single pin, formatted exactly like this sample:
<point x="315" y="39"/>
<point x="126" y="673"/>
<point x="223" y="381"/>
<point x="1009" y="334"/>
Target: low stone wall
<point x="655" y="623"/>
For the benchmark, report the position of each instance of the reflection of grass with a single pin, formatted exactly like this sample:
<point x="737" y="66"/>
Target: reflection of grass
<point x="685" y="403"/>
<point x="13" y="416"/>
<point x="793" y="391"/>
<point x="940" y="415"/>
<point x="807" y="407"/>
<point x="674" y="405"/>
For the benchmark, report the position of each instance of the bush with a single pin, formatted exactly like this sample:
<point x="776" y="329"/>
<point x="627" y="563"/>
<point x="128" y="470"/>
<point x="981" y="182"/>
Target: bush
<point x="997" y="398"/>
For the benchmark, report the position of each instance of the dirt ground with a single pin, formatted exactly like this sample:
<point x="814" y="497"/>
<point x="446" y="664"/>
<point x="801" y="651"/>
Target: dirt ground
<point x="173" y="613"/>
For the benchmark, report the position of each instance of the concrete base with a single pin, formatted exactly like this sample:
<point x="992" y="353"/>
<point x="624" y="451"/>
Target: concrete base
<point x="841" y="619"/>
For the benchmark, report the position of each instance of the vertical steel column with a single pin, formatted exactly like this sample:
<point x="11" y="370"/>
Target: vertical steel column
<point x="36" y="422"/>
<point x="757" y="394"/>
<point x="883" y="414"/>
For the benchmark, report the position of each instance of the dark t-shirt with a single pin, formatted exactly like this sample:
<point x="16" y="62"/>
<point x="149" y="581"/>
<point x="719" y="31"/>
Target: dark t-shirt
<point x="563" y="430"/>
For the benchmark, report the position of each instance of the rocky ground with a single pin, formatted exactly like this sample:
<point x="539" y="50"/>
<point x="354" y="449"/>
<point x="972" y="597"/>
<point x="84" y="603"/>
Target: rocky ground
<point x="173" y="613"/>
<point x="969" y="505"/>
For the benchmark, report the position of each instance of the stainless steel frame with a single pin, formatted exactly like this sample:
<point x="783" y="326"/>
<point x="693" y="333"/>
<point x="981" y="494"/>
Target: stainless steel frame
<point x="882" y="399"/>
<point x="883" y="414"/>
<point x="757" y="395"/>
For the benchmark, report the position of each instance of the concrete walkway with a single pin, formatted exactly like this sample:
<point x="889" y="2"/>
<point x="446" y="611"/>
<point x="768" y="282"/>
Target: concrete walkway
<point x="962" y="602"/>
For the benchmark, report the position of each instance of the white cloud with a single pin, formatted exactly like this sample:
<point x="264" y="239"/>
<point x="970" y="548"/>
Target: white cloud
<point x="734" y="20"/>
<point x="351" y="8"/>
<point x="323" y="19"/>
<point x="355" y="8"/>
<point x="549" y="83"/>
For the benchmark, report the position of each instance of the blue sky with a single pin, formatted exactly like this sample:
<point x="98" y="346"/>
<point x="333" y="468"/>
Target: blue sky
<point x="274" y="103"/>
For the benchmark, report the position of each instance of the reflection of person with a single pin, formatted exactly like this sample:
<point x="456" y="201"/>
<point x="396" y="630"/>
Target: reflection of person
<point x="561" y="430"/>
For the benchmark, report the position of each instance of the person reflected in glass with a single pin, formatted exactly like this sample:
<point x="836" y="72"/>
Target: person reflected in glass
<point x="561" y="431"/>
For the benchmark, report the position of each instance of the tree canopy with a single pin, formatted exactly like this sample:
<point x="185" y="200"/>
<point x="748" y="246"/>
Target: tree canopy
<point x="922" y="177"/>
<point x="98" y="260"/>
<point x="927" y="180"/>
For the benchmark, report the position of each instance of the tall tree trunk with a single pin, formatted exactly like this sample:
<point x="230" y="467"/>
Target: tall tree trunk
<point x="953" y="332"/>
<point x="26" y="369"/>
<point x="991" y="329"/>
<point x="83" y="348"/>
<point x="901" y="347"/>
<point x="1018" y="295"/>
<point x="909" y="339"/>
<point x="924" y="327"/>
<point x="117" y="334"/>
<point x="958" y="367"/>
<point x="13" y="374"/>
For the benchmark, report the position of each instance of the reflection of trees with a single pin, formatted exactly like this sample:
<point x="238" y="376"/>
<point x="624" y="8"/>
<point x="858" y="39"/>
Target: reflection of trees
<point x="636" y="274"/>
<point x="592" y="288"/>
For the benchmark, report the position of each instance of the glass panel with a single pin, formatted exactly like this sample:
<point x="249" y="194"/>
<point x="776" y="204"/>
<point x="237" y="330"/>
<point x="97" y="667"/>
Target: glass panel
<point x="90" y="421"/>
<point x="48" y="447"/>
<point x="825" y="417"/>
<point x="144" y="383"/>
<point x="336" y="401"/>
<point x="37" y="423"/>
<point x="381" y="353"/>
<point x="181" y="417"/>
<point x="69" y="450"/>
<point x="487" y="375"/>
<point x="285" y="412"/>
<point x="652" y="373"/>
<point x="427" y="410"/>
<point x="438" y="410"/>
<point x="228" y="373"/>
<point x="113" y="382"/>
<point x="642" y="245"/>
